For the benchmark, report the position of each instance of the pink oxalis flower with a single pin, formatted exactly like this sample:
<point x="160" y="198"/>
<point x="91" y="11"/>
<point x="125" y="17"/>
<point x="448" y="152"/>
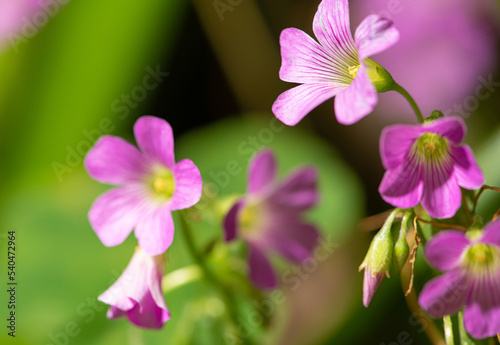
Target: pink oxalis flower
<point x="472" y="279"/>
<point x="427" y="163"/>
<point x="269" y="218"/>
<point x="137" y="293"/>
<point x="150" y="186"/>
<point x="337" y="66"/>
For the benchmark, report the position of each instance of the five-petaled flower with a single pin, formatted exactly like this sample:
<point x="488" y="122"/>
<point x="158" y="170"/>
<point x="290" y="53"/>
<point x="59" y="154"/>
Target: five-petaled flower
<point x="427" y="163"/>
<point x="337" y="66"/>
<point x="137" y="293"/>
<point x="269" y="217"/>
<point x="150" y="186"/>
<point x="472" y="279"/>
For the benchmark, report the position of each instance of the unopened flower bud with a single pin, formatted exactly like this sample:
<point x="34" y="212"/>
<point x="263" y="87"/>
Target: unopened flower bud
<point x="378" y="259"/>
<point x="436" y="114"/>
<point x="401" y="248"/>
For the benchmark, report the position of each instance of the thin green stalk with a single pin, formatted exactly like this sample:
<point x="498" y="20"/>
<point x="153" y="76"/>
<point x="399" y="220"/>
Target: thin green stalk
<point x="181" y="277"/>
<point x="227" y="297"/>
<point x="410" y="100"/>
<point x="430" y="329"/>
<point x="464" y="337"/>
<point x="448" y="330"/>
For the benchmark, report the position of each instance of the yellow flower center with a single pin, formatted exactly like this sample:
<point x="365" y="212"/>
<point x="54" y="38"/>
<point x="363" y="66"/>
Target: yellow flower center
<point x="353" y="70"/>
<point x="481" y="257"/>
<point x="162" y="183"/>
<point x="431" y="145"/>
<point x="250" y="218"/>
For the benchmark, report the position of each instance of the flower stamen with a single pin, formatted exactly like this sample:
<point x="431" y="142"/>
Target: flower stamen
<point x="481" y="257"/>
<point x="353" y="70"/>
<point x="162" y="184"/>
<point x="432" y="146"/>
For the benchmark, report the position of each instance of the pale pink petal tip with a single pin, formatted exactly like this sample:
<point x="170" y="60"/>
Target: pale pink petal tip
<point x="137" y="294"/>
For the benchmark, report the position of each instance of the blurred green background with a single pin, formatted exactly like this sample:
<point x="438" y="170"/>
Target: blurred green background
<point x="83" y="75"/>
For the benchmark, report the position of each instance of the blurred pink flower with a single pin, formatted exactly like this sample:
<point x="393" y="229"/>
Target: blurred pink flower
<point x="150" y="186"/>
<point x="334" y="67"/>
<point x="137" y="293"/>
<point x="446" y="52"/>
<point x="269" y="217"/>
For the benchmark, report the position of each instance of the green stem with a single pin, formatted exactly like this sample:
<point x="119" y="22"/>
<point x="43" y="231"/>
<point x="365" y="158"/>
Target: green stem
<point x="181" y="277"/>
<point x="448" y="330"/>
<point x="386" y="228"/>
<point x="410" y="100"/>
<point x="464" y="337"/>
<point x="227" y="297"/>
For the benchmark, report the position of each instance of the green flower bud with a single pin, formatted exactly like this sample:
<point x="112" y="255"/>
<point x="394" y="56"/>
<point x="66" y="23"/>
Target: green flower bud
<point x="379" y="76"/>
<point x="436" y="114"/>
<point x="378" y="259"/>
<point x="401" y="249"/>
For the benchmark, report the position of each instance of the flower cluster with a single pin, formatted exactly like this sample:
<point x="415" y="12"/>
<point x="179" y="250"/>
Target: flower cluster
<point x="426" y="164"/>
<point x="427" y="168"/>
<point x="150" y="185"/>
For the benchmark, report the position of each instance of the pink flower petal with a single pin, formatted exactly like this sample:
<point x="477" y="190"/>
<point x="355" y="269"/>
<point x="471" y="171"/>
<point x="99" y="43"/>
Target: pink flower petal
<point x="442" y="196"/>
<point x="374" y="35"/>
<point x="491" y="233"/>
<point x="261" y="272"/>
<point x="298" y="192"/>
<point x="188" y="185"/>
<point x="137" y="293"/>
<point x="292" y="105"/>
<point x="147" y="314"/>
<point x="115" y="312"/>
<point x="155" y="231"/>
<point x="154" y="136"/>
<point x="445" y="295"/>
<point x="482" y="312"/>
<point x="128" y="288"/>
<point x="357" y="101"/>
<point x="115" y="161"/>
<point x="467" y="171"/>
<point x="231" y="222"/>
<point x="154" y="281"/>
<point x="262" y="172"/>
<point x="403" y="187"/>
<point x="396" y="142"/>
<point x="451" y="128"/>
<point x="305" y="61"/>
<point x="331" y="27"/>
<point x="445" y="249"/>
<point x="292" y="239"/>
<point x="371" y="283"/>
<point x="115" y="213"/>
